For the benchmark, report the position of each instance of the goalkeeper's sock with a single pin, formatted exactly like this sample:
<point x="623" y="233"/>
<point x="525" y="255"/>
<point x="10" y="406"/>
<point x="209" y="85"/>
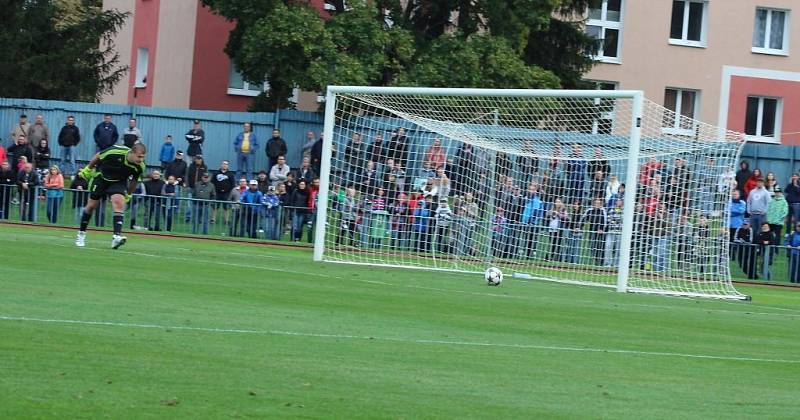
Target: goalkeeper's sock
<point x="117" y="223"/>
<point x="85" y="217"/>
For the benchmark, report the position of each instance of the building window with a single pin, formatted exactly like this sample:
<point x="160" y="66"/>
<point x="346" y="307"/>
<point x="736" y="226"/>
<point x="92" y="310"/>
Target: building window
<point x="771" y="32"/>
<point x="605" y="24"/>
<point x="688" y="25"/>
<point x="762" y="121"/>
<point x="238" y="86"/>
<point x="142" y="62"/>
<point x="681" y="119"/>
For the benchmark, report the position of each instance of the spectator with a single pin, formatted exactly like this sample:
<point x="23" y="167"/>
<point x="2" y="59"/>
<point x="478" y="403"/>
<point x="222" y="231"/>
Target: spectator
<point x="660" y="230"/>
<point x="316" y="155"/>
<point x="38" y="131"/>
<point x="499" y="232"/>
<point x="464" y="170"/>
<point x="19" y="150"/>
<point x="595" y="219"/>
<point x="377" y="151"/>
<point x="196" y="169"/>
<point x="598" y="163"/>
<point x="132" y="134"/>
<point x="738" y="208"/>
<point x="420" y="226"/>
<point x="54" y="182"/>
<point x="224" y="182"/>
<point x="203" y="193"/>
<point x="399" y="175"/>
<point x="245" y="146"/>
<point x="313" y="198"/>
<point x="614" y="235"/>
<point x="612" y="191"/>
<point x="170" y="194"/>
<point x="575" y="173"/>
<point x="272" y="213"/>
<point x="435" y="155"/>
<point x="167" y="153"/>
<point x="598" y="186"/>
<point x="683" y="234"/>
<point x="298" y="203"/>
<point x="105" y="134"/>
<point x="153" y="201"/>
<point x="765" y="239"/>
<point x="7" y="181"/>
<point x="777" y="210"/>
<point x="531" y="218"/>
<point x="758" y="203"/>
<point x="752" y="183"/>
<point x="354" y="159"/>
<point x="347" y="211"/>
<point x="195" y="137"/>
<point x="770" y="183"/>
<point x="305" y="171"/>
<point x="398" y="147"/>
<point x="236" y="225"/>
<point x="263" y="181"/>
<point x="22" y="127"/>
<point x="279" y="172"/>
<point x="702" y="241"/>
<point x="276" y="147"/>
<point x="745" y="240"/>
<point x="177" y="168"/>
<point x="681" y="172"/>
<point x="311" y="138"/>
<point x="442" y="183"/>
<point x="42" y="156"/>
<point x="556" y="221"/>
<point x="792" y="193"/>
<point x="3" y="153"/>
<point x="444" y="217"/>
<point x="742" y="175"/>
<point x="793" y="242"/>
<point x="79" y="196"/>
<point x="68" y="138"/>
<point x="251" y="209"/>
<point x="290" y="184"/>
<point x="649" y="170"/>
<point x="398" y="222"/>
<point x="27" y="181"/>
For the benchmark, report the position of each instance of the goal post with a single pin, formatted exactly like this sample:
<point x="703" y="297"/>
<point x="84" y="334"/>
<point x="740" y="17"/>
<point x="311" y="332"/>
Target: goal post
<point x="530" y="181"/>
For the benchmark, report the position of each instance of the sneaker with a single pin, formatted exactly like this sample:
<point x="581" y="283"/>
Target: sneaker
<point x="80" y="240"/>
<point x="118" y="241"/>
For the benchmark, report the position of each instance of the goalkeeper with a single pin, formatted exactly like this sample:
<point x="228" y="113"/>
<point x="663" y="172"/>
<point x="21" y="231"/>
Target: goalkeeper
<point x="113" y="173"/>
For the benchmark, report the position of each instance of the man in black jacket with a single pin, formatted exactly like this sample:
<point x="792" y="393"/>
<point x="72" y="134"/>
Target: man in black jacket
<point x="176" y="168"/>
<point x="18" y="150"/>
<point x="27" y="181"/>
<point x="153" y="201"/>
<point x="276" y="146"/>
<point x="316" y="155"/>
<point x="68" y="138"/>
<point x="224" y="180"/>
<point x="7" y="182"/>
<point x="195" y="137"/>
<point x="196" y="169"/>
<point x="105" y="134"/>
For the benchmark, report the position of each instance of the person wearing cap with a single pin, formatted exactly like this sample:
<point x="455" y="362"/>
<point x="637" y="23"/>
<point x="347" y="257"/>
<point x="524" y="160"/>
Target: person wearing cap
<point x="195" y="137"/>
<point x="777" y="210"/>
<point x="21" y="127"/>
<point x="202" y="193"/>
<point x="176" y="168"/>
<point x="757" y="203"/>
<point x="251" y="208"/>
<point x="745" y="239"/>
<point x="245" y="146"/>
<point x="271" y="214"/>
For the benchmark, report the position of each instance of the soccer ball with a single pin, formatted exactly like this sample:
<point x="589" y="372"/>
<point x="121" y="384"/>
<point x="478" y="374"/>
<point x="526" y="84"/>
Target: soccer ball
<point x="493" y="276"/>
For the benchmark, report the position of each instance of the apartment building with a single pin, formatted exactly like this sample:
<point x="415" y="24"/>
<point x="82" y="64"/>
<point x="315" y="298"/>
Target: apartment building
<point x="732" y="63"/>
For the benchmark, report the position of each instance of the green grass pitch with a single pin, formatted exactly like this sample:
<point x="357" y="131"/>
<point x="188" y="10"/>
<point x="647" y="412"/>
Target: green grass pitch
<point x="183" y="328"/>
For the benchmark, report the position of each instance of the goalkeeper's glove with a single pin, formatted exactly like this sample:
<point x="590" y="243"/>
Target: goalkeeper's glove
<point x="127" y="197"/>
<point x="87" y="173"/>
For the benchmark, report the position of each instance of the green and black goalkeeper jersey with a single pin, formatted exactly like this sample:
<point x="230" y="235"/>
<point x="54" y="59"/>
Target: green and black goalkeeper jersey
<point x="115" y="167"/>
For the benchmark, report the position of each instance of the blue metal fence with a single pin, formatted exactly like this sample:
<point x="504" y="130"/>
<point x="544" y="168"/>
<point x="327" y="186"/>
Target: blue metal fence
<point x="782" y="160"/>
<point x="220" y="127"/>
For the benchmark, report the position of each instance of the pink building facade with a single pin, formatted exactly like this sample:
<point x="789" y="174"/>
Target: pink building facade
<point x="735" y="64"/>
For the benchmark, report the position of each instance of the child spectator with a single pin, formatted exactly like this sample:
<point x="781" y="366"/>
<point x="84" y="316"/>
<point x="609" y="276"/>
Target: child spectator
<point x="54" y="182"/>
<point x="398" y="223"/>
<point x="347" y="211"/>
<point x="614" y="234"/>
<point x="313" y="198"/>
<point x="742" y="175"/>
<point x="224" y="181"/>
<point x="557" y="218"/>
<point x="738" y="208"/>
<point x="745" y="240"/>
<point x="251" y="207"/>
<point x="170" y="192"/>
<point x="167" y="153"/>
<point x="764" y="239"/>
<point x="793" y="242"/>
<point x="271" y="212"/>
<point x="420" y="224"/>
<point x="531" y="219"/>
<point x="444" y="217"/>
<point x="3" y="154"/>
<point x="573" y="233"/>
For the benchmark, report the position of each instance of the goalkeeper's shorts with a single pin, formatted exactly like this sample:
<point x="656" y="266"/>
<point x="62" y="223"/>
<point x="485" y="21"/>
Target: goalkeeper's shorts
<point x="100" y="187"/>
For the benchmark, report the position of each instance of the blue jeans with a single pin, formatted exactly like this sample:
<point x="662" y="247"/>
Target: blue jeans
<point x="53" y="203"/>
<point x="271" y="227"/>
<point x="67" y="157"/>
<point x="201" y="215"/>
<point x="660" y="248"/>
<point x="245" y="163"/>
<point x="298" y="220"/>
<point x="571" y="250"/>
<point x="795" y="212"/>
<point x="756" y="220"/>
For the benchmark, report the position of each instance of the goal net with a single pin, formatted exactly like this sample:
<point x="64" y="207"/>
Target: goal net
<point x="591" y="187"/>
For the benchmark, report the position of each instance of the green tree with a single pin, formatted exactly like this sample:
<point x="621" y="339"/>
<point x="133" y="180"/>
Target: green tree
<point x="468" y="43"/>
<point x="58" y="49"/>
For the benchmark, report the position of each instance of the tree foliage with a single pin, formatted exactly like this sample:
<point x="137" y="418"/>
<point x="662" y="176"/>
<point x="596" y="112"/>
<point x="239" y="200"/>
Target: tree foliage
<point x="58" y="49"/>
<point x="465" y="43"/>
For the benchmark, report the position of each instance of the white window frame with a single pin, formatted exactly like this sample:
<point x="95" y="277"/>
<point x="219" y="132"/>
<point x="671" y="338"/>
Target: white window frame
<point x="683" y="41"/>
<point x="249" y="89"/>
<point x="142" y="63"/>
<point x="776" y="138"/>
<point x="604" y="24"/>
<point x="676" y="129"/>
<point x="773" y="51"/>
<point x="611" y="115"/>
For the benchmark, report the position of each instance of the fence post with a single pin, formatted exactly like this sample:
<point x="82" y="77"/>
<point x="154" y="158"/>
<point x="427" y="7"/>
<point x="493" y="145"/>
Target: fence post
<point x="767" y="257"/>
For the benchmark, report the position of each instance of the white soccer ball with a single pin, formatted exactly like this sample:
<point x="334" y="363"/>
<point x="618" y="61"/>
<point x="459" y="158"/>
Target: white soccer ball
<point x="493" y="276"/>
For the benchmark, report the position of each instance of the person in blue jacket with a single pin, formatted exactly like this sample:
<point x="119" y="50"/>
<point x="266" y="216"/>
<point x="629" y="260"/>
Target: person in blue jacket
<point x="738" y="209"/>
<point x="793" y="242"/>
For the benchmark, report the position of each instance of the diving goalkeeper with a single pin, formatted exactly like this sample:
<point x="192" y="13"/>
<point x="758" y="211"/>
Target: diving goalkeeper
<point x="113" y="172"/>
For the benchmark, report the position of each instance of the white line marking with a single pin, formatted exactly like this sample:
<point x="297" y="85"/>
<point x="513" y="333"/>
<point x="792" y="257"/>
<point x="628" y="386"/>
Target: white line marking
<point x="403" y="340"/>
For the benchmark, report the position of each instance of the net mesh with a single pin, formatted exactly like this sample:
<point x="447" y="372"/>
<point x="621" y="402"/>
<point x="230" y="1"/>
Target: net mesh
<point x="532" y="185"/>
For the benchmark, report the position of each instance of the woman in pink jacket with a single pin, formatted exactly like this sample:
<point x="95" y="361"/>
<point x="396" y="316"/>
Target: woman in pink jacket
<point x="54" y="183"/>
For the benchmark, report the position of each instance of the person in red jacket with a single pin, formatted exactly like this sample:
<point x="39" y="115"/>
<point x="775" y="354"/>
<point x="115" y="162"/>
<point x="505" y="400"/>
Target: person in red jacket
<point x="752" y="182"/>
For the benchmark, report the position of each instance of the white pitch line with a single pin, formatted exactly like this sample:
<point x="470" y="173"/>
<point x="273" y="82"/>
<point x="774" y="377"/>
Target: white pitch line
<point x="402" y="340"/>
